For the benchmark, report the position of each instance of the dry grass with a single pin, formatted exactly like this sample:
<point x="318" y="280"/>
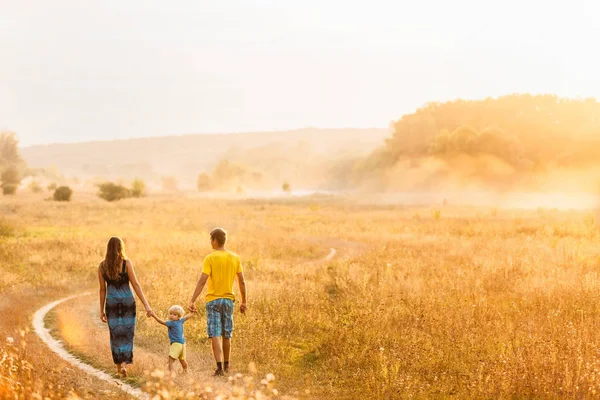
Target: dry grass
<point x="420" y="303"/>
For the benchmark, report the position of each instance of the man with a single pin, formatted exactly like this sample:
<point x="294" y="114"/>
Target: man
<point x="220" y="269"/>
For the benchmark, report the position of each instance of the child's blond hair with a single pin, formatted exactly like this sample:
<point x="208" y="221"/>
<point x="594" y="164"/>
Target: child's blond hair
<point x="177" y="310"/>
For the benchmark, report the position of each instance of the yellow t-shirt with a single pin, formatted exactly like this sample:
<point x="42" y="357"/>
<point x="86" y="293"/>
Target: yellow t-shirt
<point x="221" y="266"/>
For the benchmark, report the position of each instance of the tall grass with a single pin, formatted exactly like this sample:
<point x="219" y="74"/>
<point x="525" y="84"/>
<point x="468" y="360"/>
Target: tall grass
<point x="477" y="304"/>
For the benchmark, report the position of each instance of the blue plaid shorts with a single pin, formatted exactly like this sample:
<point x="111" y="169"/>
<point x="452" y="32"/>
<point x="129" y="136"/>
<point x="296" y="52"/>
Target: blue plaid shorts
<point x="219" y="318"/>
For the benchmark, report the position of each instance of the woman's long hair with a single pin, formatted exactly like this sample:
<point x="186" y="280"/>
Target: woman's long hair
<point x="115" y="254"/>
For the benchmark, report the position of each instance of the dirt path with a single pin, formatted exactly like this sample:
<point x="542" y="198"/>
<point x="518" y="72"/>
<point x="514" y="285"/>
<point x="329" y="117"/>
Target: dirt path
<point x="331" y="254"/>
<point x="54" y="345"/>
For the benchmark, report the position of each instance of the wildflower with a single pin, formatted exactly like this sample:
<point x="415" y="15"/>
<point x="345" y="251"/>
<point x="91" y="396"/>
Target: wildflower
<point x="10" y="341"/>
<point x="252" y="367"/>
<point x="158" y="374"/>
<point x="270" y="377"/>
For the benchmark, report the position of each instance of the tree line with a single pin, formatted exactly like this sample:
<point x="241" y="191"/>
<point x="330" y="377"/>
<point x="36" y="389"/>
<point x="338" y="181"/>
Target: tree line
<point x="526" y="134"/>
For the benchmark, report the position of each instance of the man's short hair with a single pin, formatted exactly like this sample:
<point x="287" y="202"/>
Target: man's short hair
<point x="220" y="235"/>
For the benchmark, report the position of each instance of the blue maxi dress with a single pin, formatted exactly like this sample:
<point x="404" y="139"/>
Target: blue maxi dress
<point x="120" y="315"/>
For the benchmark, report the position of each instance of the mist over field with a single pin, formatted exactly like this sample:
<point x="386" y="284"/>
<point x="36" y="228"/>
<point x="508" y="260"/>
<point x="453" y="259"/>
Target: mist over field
<point x="514" y="151"/>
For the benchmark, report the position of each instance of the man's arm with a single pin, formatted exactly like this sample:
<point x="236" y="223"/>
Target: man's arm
<point x="242" y="284"/>
<point x="199" y="287"/>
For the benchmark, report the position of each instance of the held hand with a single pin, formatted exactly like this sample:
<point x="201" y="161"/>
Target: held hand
<point x="149" y="312"/>
<point x="243" y="308"/>
<point x="103" y="317"/>
<point x="192" y="307"/>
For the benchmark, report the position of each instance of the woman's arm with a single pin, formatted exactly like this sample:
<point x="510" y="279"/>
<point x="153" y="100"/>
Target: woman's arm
<point x="102" y="293"/>
<point x="137" y="288"/>
<point x="160" y="321"/>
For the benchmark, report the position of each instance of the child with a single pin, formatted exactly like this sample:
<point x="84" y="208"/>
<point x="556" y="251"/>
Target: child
<point x="175" y="325"/>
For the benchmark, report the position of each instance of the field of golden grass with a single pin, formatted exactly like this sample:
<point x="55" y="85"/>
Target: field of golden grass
<point x="417" y="303"/>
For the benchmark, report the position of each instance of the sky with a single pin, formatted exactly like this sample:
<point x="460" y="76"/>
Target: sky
<point x="75" y="71"/>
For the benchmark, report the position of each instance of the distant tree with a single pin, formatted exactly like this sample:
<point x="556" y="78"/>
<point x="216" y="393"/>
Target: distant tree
<point x="169" y="183"/>
<point x="204" y="183"/>
<point x="138" y="188"/>
<point x="110" y="191"/>
<point x="286" y="187"/>
<point x="63" y="193"/>
<point x="10" y="180"/>
<point x="228" y="174"/>
<point x="12" y="166"/>
<point x="9" y="152"/>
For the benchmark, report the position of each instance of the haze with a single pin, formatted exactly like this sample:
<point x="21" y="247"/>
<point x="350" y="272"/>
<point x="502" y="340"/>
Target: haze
<point x="74" y="71"/>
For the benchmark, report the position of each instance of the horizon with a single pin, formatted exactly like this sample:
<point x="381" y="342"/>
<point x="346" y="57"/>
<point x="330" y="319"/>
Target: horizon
<point x="159" y="136"/>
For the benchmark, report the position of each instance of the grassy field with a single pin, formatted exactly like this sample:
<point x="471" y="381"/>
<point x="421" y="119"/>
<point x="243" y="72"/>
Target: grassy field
<point x="417" y="303"/>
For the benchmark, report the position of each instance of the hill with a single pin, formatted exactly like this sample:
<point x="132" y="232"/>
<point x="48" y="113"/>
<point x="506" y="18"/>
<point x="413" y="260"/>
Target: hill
<point x="302" y="156"/>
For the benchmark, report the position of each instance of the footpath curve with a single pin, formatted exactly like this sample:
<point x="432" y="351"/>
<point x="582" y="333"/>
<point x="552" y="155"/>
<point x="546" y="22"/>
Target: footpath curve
<point x="40" y="329"/>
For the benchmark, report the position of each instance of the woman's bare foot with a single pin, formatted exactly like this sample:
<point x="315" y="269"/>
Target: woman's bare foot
<point x="122" y="371"/>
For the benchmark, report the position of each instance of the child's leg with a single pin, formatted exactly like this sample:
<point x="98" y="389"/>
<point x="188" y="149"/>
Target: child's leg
<point x="171" y="361"/>
<point x="184" y="364"/>
<point x="182" y="357"/>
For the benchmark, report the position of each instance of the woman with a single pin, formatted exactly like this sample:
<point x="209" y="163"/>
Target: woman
<point x="115" y="274"/>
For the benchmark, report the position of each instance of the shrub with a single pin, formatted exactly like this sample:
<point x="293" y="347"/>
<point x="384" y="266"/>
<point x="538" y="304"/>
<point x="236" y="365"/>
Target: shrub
<point x="10" y="180"/>
<point x="9" y="188"/>
<point x="63" y="193"/>
<point x="138" y="188"/>
<point x="110" y="191"/>
<point x="286" y="187"/>
<point x="52" y="187"/>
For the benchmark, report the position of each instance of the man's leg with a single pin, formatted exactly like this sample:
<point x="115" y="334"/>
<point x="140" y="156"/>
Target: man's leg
<point x="216" y="347"/>
<point x="226" y="350"/>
